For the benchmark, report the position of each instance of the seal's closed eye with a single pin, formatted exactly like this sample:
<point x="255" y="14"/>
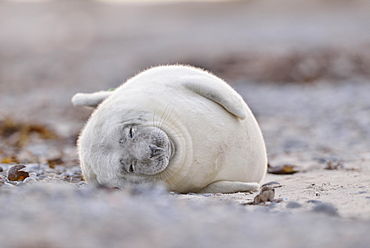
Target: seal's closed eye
<point x="131" y="168"/>
<point x="131" y="133"/>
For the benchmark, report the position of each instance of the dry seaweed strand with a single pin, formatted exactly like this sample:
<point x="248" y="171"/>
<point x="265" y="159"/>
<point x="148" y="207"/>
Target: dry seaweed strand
<point x="285" y="169"/>
<point x="19" y="133"/>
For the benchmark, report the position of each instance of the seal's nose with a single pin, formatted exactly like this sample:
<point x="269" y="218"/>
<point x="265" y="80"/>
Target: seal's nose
<point x="155" y="151"/>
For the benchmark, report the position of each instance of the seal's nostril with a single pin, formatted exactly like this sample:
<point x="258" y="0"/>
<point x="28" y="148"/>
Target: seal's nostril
<point x="155" y="151"/>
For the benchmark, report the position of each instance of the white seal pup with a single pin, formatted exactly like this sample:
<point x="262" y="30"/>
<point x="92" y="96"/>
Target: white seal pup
<point x="178" y="125"/>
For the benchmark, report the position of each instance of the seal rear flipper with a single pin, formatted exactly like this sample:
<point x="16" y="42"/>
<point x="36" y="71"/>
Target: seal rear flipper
<point x="90" y="99"/>
<point x="220" y="93"/>
<point x="229" y="187"/>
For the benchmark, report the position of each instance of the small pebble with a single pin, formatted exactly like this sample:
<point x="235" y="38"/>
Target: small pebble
<point x="1" y="169"/>
<point x="207" y="195"/>
<point x="30" y="180"/>
<point x="362" y="192"/>
<point x="191" y="194"/>
<point x="326" y="209"/>
<point x="293" y="204"/>
<point x="314" y="202"/>
<point x="12" y="184"/>
<point x="33" y="174"/>
<point x="271" y="183"/>
<point x="267" y="193"/>
<point x="83" y="184"/>
<point x="68" y="173"/>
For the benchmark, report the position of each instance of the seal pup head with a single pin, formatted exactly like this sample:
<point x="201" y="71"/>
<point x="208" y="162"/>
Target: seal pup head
<point x="145" y="150"/>
<point x="118" y="152"/>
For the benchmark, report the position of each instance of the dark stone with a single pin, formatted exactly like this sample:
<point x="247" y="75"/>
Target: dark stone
<point x="293" y="204"/>
<point x="326" y="209"/>
<point x="271" y="183"/>
<point x="314" y="202"/>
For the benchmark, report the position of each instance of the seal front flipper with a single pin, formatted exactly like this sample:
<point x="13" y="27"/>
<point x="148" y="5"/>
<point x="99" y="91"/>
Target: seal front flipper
<point x="90" y="99"/>
<point x="229" y="187"/>
<point x="219" y="92"/>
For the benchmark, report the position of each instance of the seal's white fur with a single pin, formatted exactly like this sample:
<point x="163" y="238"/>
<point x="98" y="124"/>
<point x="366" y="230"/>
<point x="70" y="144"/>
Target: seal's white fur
<point x="218" y="143"/>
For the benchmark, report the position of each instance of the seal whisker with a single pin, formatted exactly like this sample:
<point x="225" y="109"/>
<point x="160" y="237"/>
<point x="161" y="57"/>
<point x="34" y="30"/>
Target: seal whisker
<point x="166" y="121"/>
<point x="169" y="176"/>
<point x="164" y="117"/>
<point x="154" y="114"/>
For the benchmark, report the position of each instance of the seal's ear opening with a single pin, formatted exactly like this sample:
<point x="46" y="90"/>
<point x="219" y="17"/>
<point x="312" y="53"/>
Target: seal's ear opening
<point x="90" y="99"/>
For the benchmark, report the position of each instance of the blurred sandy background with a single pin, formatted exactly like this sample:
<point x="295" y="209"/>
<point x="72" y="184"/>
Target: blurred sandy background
<point x="50" y="50"/>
